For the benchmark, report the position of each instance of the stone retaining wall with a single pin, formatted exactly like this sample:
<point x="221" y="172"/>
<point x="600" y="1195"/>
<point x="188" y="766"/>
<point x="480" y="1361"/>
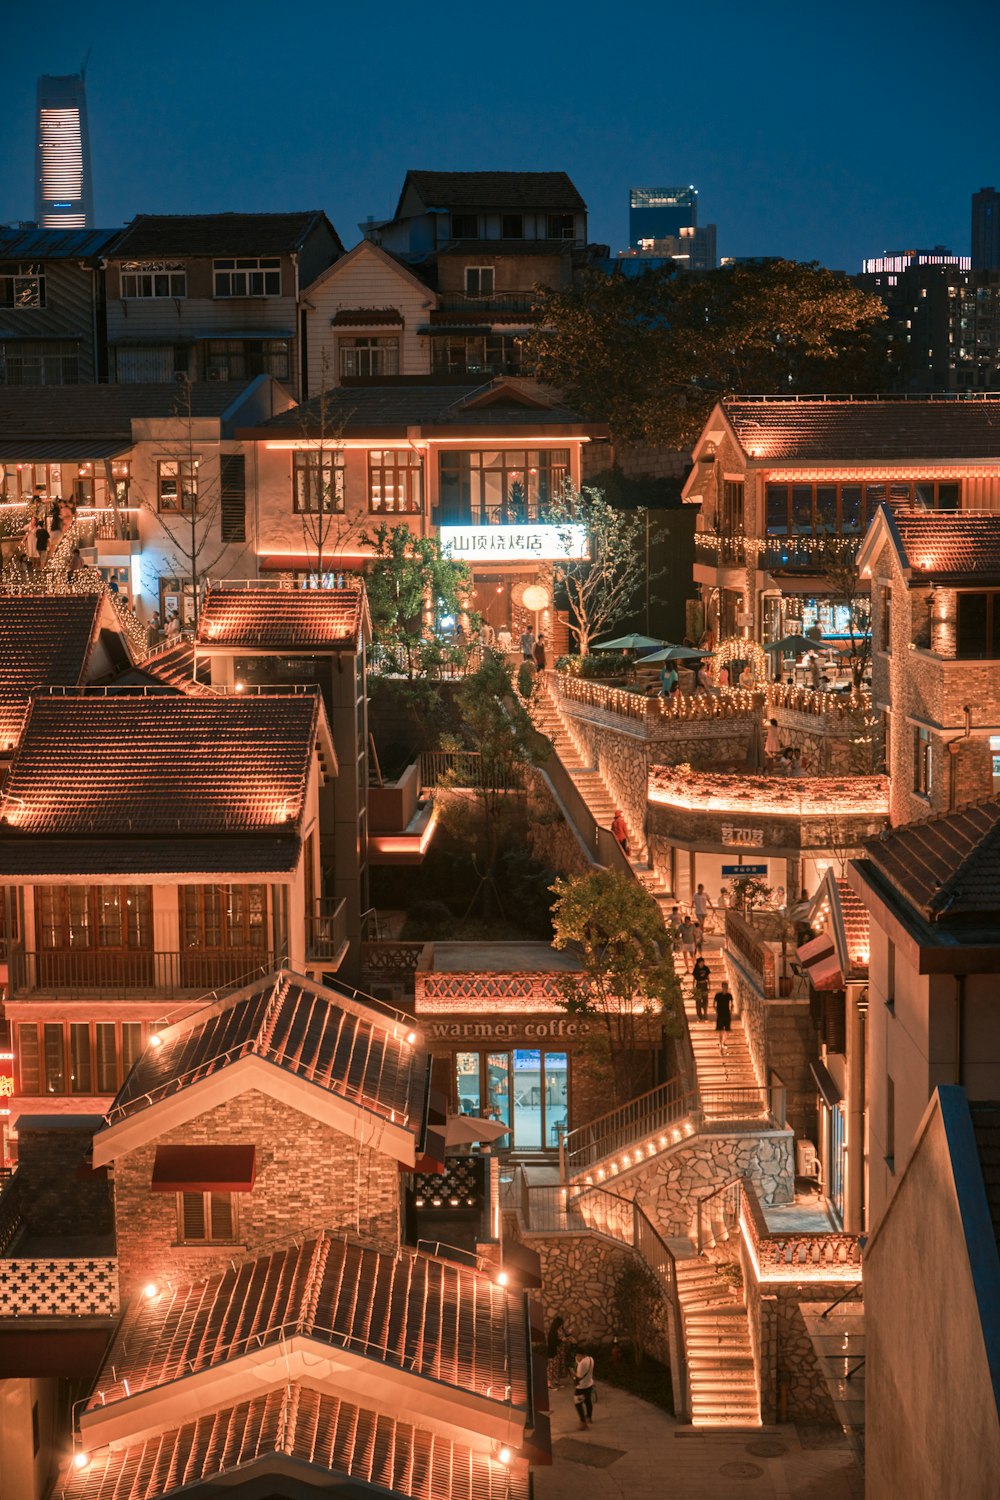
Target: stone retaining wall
<point x="779" y="1035"/>
<point x="668" y="1187"/>
<point x="789" y="1377"/>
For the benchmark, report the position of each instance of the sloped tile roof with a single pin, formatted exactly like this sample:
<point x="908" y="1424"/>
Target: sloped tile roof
<point x="55" y="244"/>
<point x="866" y="429"/>
<point x="505" y="190"/>
<point x="45" y="641"/>
<point x="282" y="620"/>
<point x="433" y="1318"/>
<point x="948" y="866"/>
<point x="314" y="1032"/>
<point x="856" y="920"/>
<point x="97" y="764"/>
<point x="170" y="666"/>
<point x="216" y="234"/>
<point x="91" y="412"/>
<point x="986" y="1124"/>
<point x="406" y="403"/>
<point x="508" y="247"/>
<point x="252" y="854"/>
<point x="950" y="545"/>
<point x="328" y="1434"/>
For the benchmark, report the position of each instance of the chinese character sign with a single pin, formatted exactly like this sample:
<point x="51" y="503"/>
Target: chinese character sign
<point x="514" y="543"/>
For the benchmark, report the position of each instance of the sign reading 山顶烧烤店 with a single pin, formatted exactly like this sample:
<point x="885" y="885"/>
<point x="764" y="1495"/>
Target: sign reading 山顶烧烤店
<point x="514" y="543"/>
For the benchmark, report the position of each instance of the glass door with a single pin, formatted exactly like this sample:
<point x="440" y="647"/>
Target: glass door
<point x="529" y="1108"/>
<point x="498" y="1090"/>
<point x="467" y="1077"/>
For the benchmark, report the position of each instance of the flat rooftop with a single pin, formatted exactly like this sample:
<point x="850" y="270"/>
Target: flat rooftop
<point x="502" y="958"/>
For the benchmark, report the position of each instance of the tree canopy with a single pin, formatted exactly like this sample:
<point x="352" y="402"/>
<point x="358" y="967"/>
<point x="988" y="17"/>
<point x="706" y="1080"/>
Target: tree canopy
<point x="651" y="354"/>
<point x="409" y="582"/>
<point x="601" y="591"/>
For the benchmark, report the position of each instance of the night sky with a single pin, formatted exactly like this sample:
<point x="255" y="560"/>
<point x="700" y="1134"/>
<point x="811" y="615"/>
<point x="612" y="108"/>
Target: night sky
<point x="816" y="132"/>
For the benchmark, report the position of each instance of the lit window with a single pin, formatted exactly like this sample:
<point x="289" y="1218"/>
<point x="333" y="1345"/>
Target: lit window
<point x="21" y="286"/>
<point x="177" y="483"/>
<point x="366" y="355"/>
<point x="394" y="481"/>
<point x="317" y="482"/>
<point x="248" y="278"/>
<point x="162" y="278"/>
<point x="922" y="762"/>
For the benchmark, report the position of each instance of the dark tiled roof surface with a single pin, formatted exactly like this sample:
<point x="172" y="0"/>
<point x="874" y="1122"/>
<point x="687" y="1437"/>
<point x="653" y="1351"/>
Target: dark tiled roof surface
<point x="87" y="411"/>
<point x="947" y="866"/>
<point x="858" y="430"/>
<point x="368" y="317"/>
<point x="316" y="1033"/>
<point x="514" y="190"/>
<point x="950" y="545"/>
<point x="433" y="1318"/>
<point x="986" y="1124"/>
<point x="328" y="1434"/>
<point x="856" y="921"/>
<point x="171" y="666"/>
<point x="282" y="620"/>
<point x="214" y="234"/>
<point x="45" y="641"/>
<point x="405" y="404"/>
<point x="252" y="854"/>
<point x="55" y="244"/>
<point x="161" y="766"/>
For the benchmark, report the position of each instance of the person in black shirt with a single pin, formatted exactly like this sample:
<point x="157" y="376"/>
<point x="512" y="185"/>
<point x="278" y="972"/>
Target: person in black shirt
<point x="701" y="976"/>
<point x="723" y="1015"/>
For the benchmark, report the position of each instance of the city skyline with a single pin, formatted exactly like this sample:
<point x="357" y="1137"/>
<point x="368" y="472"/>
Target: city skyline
<point x="225" y="126"/>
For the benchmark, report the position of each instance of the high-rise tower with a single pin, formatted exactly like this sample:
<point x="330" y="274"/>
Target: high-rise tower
<point x="63" y="191"/>
<point x="654" y="213"/>
<point x="986" y="230"/>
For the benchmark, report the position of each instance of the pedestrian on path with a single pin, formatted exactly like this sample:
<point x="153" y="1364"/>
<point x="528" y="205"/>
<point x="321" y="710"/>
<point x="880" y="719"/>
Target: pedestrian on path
<point x="620" y="830"/>
<point x="688" y="938"/>
<point x="539" y="653"/>
<point x="723" y="1015"/>
<point x="583" y="1395"/>
<point x="702" y="975"/>
<point x="556" y="1348"/>
<point x="528" y="644"/>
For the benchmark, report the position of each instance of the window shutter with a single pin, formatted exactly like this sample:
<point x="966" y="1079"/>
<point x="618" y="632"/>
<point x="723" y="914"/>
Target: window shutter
<point x="222" y="1216"/>
<point x="193" y="1216"/>
<point x="234" y="497"/>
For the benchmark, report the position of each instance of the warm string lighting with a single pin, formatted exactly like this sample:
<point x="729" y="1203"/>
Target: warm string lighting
<point x="806" y="796"/>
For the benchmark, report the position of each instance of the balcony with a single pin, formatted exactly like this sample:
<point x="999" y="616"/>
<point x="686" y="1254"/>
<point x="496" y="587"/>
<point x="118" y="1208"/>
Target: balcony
<point x="509" y="512"/>
<point x="496" y="303"/>
<point x="789" y="554"/>
<point x="326" y="934"/>
<point x="714" y="551"/>
<point x="53" y="1275"/>
<point x="133" y="975"/>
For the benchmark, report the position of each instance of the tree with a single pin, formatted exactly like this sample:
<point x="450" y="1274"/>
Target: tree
<point x="627" y="967"/>
<point x="838" y="565"/>
<point x="650" y="355"/>
<point x="409" y="582"/>
<point x="319" y="479"/>
<point x="499" y="729"/>
<point x="603" y="589"/>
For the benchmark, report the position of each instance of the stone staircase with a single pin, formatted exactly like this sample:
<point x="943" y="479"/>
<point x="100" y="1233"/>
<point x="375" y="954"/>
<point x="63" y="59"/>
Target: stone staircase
<point x="721" y="1078"/>
<point x="717" y="1341"/>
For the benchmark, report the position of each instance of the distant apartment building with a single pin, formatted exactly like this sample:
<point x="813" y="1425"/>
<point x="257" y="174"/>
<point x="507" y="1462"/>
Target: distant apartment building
<point x="663" y="225"/>
<point x="943" y="320"/>
<point x="986" y="230"/>
<point x="484" y="241"/>
<point x="893" y="262"/>
<point x="63" y="189"/>
<point x="214" y="297"/>
<point x="52" y="315"/>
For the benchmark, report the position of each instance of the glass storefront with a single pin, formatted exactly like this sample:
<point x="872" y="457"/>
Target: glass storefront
<point x="526" y="1088"/>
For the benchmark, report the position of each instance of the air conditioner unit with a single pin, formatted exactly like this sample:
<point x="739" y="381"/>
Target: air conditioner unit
<point x="806" y="1160"/>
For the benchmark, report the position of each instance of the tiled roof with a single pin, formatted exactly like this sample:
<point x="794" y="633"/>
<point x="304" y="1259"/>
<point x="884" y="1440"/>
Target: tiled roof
<point x="514" y="190"/>
<point x="414" y="403"/>
<point x="986" y="1124"/>
<point x="88" y="412"/>
<point x="119" y="774"/>
<point x="867" y="429"/>
<point x="854" y="915"/>
<point x="251" y="854"/>
<point x="314" y="1032"/>
<point x="328" y="1434"/>
<point x="55" y="244"/>
<point x="432" y="1318"/>
<point x="368" y="317"/>
<point x="216" y="234"/>
<point x="948" y="866"/>
<point x="171" y="666"/>
<point x="282" y="620"/>
<point x="45" y="641"/>
<point x="955" y="545"/>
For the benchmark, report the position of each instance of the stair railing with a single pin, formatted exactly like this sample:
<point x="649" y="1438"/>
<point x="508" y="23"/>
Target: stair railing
<point x="627" y="1127"/>
<point x="723" y="1201"/>
<point x="657" y="1255"/>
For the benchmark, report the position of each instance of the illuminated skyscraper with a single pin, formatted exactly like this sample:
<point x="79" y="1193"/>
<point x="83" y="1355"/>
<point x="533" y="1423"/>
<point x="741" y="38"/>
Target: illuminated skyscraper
<point x="63" y="191"/>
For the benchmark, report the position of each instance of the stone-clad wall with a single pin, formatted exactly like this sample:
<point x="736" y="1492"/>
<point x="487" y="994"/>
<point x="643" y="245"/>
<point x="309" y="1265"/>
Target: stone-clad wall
<point x="668" y="1187"/>
<point x="788" y="1372"/>
<point x="623" y="761"/>
<point x="309" y="1177"/>
<point x="780" y="1035"/>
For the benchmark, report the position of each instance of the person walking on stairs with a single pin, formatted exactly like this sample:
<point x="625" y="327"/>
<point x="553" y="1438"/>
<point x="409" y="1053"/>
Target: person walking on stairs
<point x="723" y="1015"/>
<point x="702" y="975"/>
<point x="620" y="830"/>
<point x="583" y="1395"/>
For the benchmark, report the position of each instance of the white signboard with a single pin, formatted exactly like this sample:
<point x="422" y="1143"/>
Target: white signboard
<point x="527" y="543"/>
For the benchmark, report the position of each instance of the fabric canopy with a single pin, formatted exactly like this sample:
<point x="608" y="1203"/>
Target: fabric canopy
<point x="204" y="1169"/>
<point x="820" y="963"/>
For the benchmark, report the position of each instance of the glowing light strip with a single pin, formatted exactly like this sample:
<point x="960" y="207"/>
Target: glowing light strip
<point x="863" y="795"/>
<point x="475" y="440"/>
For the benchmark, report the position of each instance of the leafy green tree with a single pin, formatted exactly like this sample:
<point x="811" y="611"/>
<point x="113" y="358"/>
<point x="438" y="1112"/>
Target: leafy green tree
<point x="651" y="354"/>
<point x="627" y="974"/>
<point x="602" y="590"/>
<point x="409" y="584"/>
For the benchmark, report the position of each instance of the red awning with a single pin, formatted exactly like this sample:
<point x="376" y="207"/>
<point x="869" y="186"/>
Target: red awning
<point x="820" y="963"/>
<point x="204" y="1169"/>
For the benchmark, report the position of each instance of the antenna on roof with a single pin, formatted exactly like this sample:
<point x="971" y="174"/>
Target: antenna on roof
<point x="83" y="65"/>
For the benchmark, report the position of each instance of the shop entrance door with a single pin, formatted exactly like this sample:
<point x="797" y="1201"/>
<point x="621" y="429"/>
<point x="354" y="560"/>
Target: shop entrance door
<point x="526" y="1088"/>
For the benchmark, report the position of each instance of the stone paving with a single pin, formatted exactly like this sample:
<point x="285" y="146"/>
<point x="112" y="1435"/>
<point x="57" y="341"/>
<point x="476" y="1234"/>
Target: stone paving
<point x="634" y="1450"/>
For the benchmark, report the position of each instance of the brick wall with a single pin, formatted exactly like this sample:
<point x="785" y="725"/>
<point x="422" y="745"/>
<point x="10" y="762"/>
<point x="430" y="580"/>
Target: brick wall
<point x="309" y="1177"/>
<point x="59" y="1195"/>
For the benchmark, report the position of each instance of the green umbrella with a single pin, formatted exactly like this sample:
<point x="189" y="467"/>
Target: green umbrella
<point x="628" y="643"/>
<point x="676" y="653"/>
<point x="792" y="645"/>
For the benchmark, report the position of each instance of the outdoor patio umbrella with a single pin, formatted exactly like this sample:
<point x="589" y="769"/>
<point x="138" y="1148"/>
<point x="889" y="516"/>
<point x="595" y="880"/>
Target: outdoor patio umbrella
<point x="462" y="1130"/>
<point x="792" y="645"/>
<point x="628" y="643"/>
<point x="675" y="653"/>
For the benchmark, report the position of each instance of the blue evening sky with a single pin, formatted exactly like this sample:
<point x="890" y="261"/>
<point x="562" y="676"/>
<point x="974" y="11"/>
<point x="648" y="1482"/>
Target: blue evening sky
<point x="813" y="131"/>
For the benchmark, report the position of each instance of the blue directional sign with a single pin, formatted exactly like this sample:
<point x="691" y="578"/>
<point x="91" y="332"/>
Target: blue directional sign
<point x="744" y="871"/>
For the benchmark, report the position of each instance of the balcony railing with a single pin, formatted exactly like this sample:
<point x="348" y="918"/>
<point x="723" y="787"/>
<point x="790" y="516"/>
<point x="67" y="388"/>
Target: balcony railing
<point x="755" y="952"/>
<point x="806" y="554"/>
<point x="134" y="974"/>
<point x="512" y="512"/>
<point x="326" y="930"/>
<point x="507" y="302"/>
<point x="714" y="551"/>
<point x="803" y="1255"/>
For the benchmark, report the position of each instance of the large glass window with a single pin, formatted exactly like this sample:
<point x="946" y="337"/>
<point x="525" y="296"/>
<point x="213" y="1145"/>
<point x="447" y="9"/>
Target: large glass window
<point x="978" y="633"/>
<point x="527" y="1089"/>
<point x="22" y="284"/>
<point x="104" y="916"/>
<point x="245" y="359"/>
<point x="224" y="916"/>
<point x="395" y="481"/>
<point x="249" y="277"/>
<point x="500" y="487"/>
<point x="477" y="354"/>
<point x="177" y="483"/>
<point x="367" y="355"/>
<point x="98" y="1056"/>
<point x="844" y="509"/>
<point x="317" y="481"/>
<point x="141" y="279"/>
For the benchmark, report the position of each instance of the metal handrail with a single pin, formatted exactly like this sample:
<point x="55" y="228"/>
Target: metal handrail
<point x="620" y="1128"/>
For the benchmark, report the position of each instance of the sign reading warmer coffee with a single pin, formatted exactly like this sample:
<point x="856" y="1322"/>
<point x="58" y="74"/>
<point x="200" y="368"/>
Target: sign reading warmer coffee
<point x="513" y="543"/>
<point x="502" y="1031"/>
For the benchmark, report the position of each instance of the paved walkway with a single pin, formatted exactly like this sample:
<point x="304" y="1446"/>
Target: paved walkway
<point x="636" y="1451"/>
